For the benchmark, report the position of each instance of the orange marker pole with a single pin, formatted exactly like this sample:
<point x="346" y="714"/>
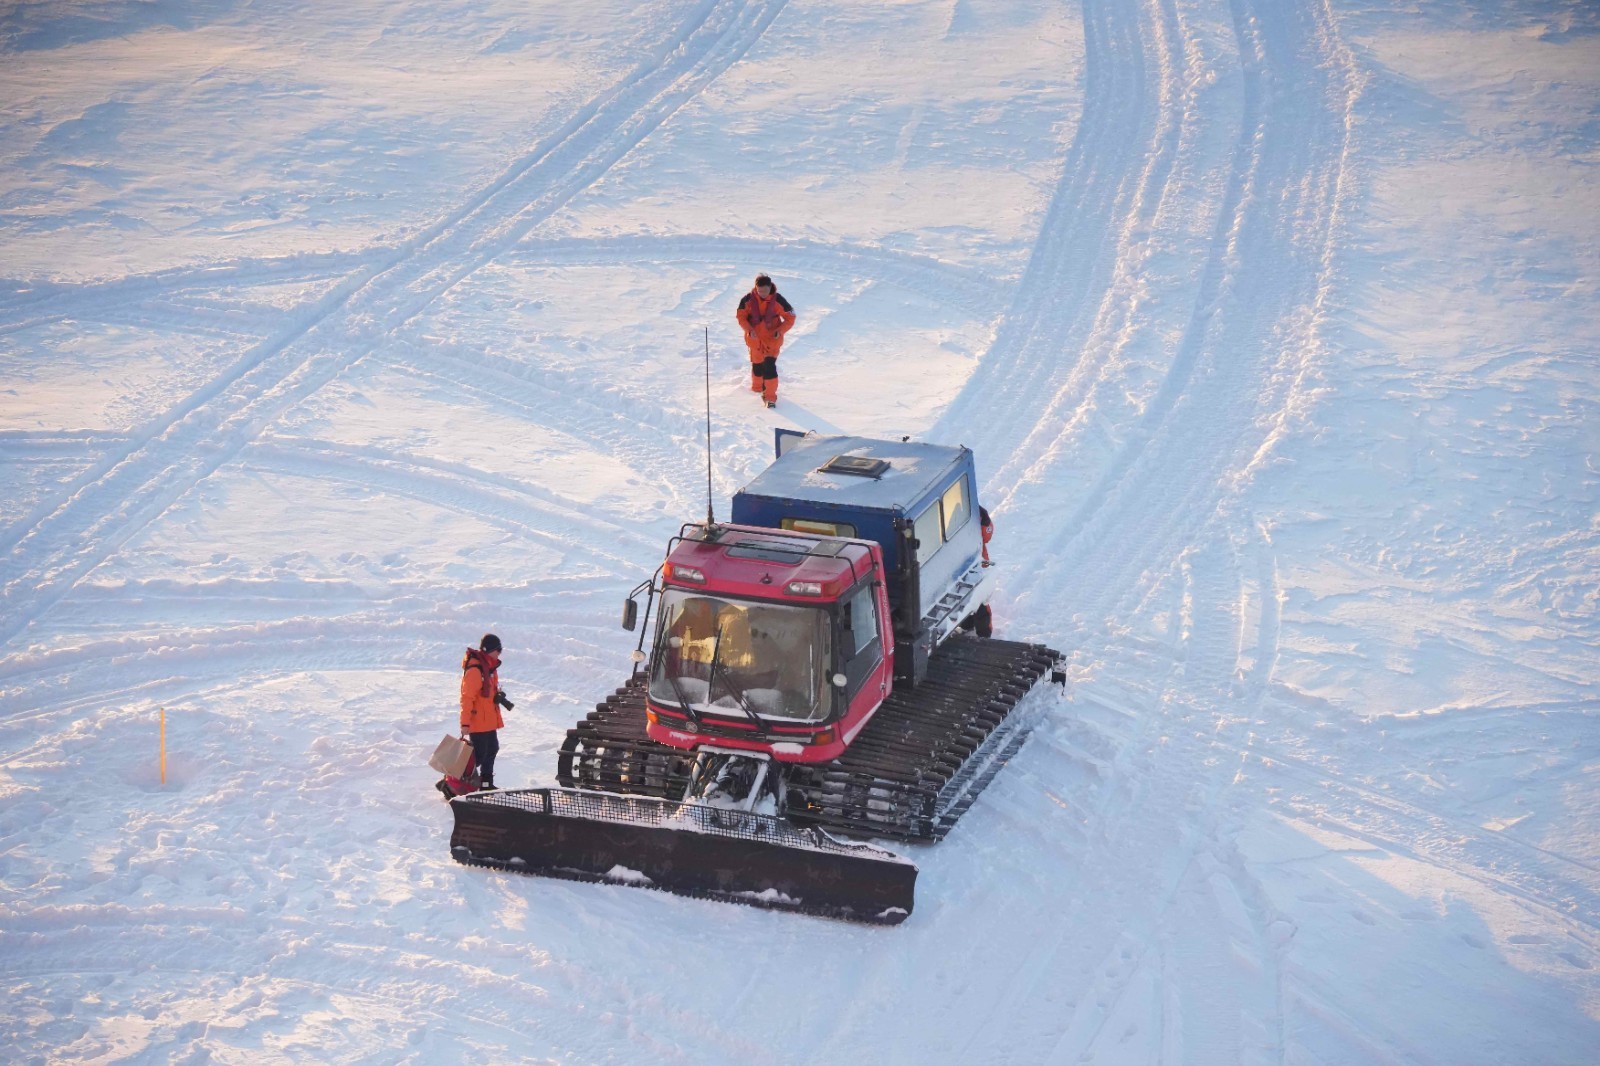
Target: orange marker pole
<point x="163" y="745"/>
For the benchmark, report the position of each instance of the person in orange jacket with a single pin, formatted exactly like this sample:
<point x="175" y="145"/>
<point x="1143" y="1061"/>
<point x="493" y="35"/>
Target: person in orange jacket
<point x="981" y="621"/>
<point x="765" y="316"/>
<point x="481" y="700"/>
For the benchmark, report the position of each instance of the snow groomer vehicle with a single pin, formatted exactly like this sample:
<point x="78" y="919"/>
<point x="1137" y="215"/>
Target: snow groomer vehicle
<point x="803" y="682"/>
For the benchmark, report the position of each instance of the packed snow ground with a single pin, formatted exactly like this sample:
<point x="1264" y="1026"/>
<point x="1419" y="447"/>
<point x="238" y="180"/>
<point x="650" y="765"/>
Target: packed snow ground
<point x="332" y="336"/>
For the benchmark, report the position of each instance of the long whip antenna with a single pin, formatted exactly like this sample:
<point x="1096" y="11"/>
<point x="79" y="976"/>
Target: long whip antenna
<point x="710" y="518"/>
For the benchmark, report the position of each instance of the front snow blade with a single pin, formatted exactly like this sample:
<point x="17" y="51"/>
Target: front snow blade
<point x="685" y="848"/>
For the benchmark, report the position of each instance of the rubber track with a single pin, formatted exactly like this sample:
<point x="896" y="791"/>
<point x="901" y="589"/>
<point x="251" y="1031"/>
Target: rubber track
<point x="903" y="776"/>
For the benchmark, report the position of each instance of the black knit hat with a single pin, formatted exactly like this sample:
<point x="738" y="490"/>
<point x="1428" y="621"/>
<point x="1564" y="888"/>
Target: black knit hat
<point x="762" y="279"/>
<point x="490" y="642"/>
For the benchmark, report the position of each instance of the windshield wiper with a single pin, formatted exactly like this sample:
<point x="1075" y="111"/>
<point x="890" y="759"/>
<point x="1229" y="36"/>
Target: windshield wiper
<point x="733" y="690"/>
<point x="683" y="701"/>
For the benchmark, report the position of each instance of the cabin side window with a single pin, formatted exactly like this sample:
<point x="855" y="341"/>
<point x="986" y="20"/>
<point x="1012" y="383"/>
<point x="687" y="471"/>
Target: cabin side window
<point x="955" y="507"/>
<point x="926" y="528"/>
<point x="860" y="640"/>
<point x="860" y="620"/>
<point x="943" y="519"/>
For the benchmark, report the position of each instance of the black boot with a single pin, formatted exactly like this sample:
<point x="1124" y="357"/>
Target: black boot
<point x="487" y="785"/>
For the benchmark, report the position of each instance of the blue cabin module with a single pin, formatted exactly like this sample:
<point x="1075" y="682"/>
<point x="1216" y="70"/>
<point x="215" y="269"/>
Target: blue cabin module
<point x="918" y="501"/>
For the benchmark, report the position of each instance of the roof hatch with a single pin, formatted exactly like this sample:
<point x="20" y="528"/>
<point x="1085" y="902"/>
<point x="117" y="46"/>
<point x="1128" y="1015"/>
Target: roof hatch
<point x="855" y="465"/>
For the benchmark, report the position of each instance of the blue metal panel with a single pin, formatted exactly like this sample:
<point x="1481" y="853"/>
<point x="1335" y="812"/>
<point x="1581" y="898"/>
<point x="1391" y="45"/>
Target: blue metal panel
<point x="878" y="525"/>
<point x="916" y="472"/>
<point x="794" y="486"/>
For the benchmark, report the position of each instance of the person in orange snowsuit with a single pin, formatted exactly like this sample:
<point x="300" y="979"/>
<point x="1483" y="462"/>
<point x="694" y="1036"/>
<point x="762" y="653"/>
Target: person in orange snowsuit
<point x="981" y="621"/>
<point x="481" y="700"/>
<point x="765" y="316"/>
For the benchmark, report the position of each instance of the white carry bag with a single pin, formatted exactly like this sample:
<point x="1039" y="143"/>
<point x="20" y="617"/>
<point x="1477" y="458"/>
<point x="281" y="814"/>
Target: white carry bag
<point x="450" y="757"/>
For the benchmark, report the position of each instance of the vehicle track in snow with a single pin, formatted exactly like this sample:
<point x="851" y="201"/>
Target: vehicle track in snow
<point x="945" y="283"/>
<point x="571" y="403"/>
<point x="169" y="663"/>
<point x="177" y="302"/>
<point x="130" y="487"/>
<point x="1152" y="940"/>
<point x="1391" y="821"/>
<point x="330" y="959"/>
<point x="1155" y="833"/>
<point x="1133" y="62"/>
<point x="1169" y="487"/>
<point x="951" y="283"/>
<point x="1116" y="173"/>
<point x="173" y="316"/>
<point x="42" y="304"/>
<point x="1247" y="334"/>
<point x="1269" y="611"/>
<point x="1134" y="189"/>
<point x="541" y="517"/>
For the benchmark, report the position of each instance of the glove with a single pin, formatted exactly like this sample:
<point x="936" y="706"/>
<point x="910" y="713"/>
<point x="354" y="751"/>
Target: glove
<point x="500" y="698"/>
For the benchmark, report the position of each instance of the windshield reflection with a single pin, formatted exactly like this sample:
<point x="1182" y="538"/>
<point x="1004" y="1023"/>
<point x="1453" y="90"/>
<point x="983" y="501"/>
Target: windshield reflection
<point x="769" y="658"/>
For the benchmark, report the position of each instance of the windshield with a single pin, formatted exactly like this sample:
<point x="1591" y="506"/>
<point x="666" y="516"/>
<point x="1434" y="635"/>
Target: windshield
<point x="771" y="659"/>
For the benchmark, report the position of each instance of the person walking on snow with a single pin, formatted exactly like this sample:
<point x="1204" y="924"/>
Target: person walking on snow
<point x="765" y="316"/>
<point x="481" y="700"/>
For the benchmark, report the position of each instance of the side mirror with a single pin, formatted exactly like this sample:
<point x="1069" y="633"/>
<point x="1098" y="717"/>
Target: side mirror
<point x="839" y="680"/>
<point x="630" y="614"/>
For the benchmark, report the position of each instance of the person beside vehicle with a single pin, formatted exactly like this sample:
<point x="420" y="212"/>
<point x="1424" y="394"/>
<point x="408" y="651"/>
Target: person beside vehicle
<point x="481" y="700"/>
<point x="981" y="621"/>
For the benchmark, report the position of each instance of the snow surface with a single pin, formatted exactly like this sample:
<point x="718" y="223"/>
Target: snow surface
<point x="332" y="336"/>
